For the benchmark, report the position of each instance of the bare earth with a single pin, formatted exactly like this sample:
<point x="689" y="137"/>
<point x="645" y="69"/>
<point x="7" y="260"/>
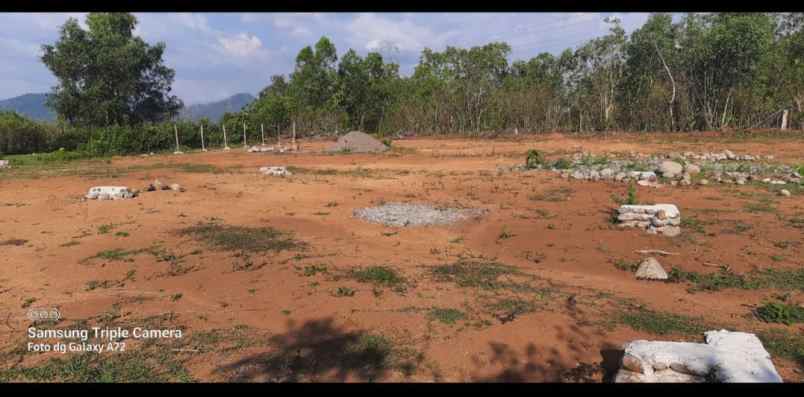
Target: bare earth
<point x="280" y="324"/>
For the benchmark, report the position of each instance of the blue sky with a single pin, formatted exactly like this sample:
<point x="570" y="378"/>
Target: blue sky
<point x="216" y="55"/>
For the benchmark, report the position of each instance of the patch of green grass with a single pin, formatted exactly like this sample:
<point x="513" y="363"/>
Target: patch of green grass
<point x="626" y="266"/>
<point x="553" y="195"/>
<point x="134" y="367"/>
<point x="779" y="312"/>
<point x="380" y="275"/>
<point x="70" y="243"/>
<point x="104" y="229"/>
<point x="768" y="278"/>
<point x="344" y="292"/>
<point x="117" y="254"/>
<point x="513" y="306"/>
<point x="121" y="234"/>
<point x="477" y="274"/>
<point x="694" y="224"/>
<point x="711" y="281"/>
<point x="505" y="234"/>
<point x="176" y="297"/>
<point x="789" y="345"/>
<point x="446" y="316"/>
<point x="28" y="302"/>
<point x="242" y="238"/>
<point x="662" y="323"/>
<point x="562" y="164"/>
<point x="763" y="205"/>
<point x="198" y="168"/>
<point x="312" y="270"/>
<point x="796" y="222"/>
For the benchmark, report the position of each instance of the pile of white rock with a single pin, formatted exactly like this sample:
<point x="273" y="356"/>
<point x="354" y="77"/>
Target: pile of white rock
<point x="275" y="171"/>
<point x="110" y="193"/>
<point x="4" y="164"/>
<point x="662" y="219"/>
<point x="729" y="357"/>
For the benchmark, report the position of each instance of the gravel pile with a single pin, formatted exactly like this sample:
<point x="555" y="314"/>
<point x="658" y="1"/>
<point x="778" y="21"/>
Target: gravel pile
<point x="358" y="142"/>
<point x="403" y="214"/>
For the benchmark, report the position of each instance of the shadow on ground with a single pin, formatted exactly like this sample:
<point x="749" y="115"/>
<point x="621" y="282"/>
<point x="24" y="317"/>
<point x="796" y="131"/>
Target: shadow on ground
<point x="318" y="350"/>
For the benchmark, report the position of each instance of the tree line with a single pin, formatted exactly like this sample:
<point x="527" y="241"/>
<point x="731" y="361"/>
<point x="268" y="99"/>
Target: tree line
<point x="702" y="72"/>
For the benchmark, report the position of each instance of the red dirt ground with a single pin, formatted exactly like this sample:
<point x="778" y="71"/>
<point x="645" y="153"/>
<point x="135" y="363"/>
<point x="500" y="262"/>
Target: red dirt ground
<point x="284" y="309"/>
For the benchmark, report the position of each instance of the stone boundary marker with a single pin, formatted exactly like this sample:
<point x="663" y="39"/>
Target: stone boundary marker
<point x="656" y="219"/>
<point x="725" y="357"/>
<point x="275" y="171"/>
<point x="110" y="193"/>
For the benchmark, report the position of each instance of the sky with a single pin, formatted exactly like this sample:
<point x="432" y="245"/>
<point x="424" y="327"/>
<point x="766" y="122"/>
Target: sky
<point x="216" y="55"/>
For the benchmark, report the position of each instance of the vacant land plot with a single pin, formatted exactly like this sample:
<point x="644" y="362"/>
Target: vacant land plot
<point x="278" y="279"/>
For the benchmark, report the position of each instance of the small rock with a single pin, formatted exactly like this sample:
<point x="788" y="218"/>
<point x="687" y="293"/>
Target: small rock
<point x="4" y="164"/>
<point x="669" y="231"/>
<point x="158" y="185"/>
<point x="651" y="269"/>
<point x="633" y="364"/>
<point x="703" y="182"/>
<point x="784" y="192"/>
<point x="670" y="169"/>
<point x="692" y="169"/>
<point x="176" y="187"/>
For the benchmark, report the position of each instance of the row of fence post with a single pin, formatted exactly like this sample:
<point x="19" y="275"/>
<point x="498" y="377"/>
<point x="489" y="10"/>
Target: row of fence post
<point x="225" y="141"/>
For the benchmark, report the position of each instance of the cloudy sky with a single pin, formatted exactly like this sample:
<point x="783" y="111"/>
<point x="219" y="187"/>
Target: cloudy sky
<point x="216" y="55"/>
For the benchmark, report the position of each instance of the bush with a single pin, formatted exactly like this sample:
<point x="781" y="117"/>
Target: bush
<point x="19" y="135"/>
<point x="562" y="164"/>
<point x="534" y="160"/>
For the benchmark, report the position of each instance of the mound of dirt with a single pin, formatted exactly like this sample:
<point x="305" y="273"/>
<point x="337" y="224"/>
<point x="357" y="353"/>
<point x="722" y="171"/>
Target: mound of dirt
<point x="358" y="142"/>
<point x="403" y="214"/>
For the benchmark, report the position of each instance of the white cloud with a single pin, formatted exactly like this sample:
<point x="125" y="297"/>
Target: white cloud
<point x="241" y="45"/>
<point x="369" y="31"/>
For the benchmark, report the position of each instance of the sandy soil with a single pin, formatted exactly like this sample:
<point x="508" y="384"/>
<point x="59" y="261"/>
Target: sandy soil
<point x="565" y="250"/>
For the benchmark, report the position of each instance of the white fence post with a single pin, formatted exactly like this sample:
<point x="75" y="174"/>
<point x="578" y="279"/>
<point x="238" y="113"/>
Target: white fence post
<point x="225" y="142"/>
<point x="176" y="132"/>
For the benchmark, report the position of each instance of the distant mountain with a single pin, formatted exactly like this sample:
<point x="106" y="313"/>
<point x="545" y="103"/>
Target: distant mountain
<point x="215" y="110"/>
<point x="31" y="106"/>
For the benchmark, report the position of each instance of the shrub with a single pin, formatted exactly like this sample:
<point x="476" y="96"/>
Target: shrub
<point x="534" y="160"/>
<point x="562" y="163"/>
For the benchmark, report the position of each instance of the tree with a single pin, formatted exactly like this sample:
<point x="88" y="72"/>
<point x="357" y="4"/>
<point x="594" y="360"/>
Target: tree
<point x="107" y="76"/>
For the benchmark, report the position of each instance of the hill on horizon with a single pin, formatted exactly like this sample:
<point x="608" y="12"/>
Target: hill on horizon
<point x="31" y="106"/>
<point x="214" y="110"/>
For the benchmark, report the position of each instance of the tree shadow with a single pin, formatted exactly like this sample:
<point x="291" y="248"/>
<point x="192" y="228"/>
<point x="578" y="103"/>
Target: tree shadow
<point x="318" y="350"/>
<point x="548" y="364"/>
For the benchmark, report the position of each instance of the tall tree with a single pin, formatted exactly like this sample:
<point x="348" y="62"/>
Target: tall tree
<point x="107" y="76"/>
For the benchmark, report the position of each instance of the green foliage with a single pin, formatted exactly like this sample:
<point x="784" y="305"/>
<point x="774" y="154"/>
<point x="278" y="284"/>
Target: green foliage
<point x="380" y="275"/>
<point x="662" y="323"/>
<point x="446" y="316"/>
<point x="535" y="159"/>
<point x="699" y="72"/>
<point x="779" y="312"/>
<point x="632" y="195"/>
<point x="242" y="238"/>
<point x="768" y="278"/>
<point x="562" y="164"/>
<point x="107" y="76"/>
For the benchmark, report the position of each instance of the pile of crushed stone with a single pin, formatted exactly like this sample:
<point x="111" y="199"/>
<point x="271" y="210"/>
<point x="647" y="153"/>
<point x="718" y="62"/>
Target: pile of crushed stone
<point x="404" y="214"/>
<point x="358" y="142"/>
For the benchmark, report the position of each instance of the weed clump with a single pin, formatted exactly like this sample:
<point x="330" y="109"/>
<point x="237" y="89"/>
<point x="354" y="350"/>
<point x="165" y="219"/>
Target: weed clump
<point x="242" y="238"/>
<point x="535" y="159"/>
